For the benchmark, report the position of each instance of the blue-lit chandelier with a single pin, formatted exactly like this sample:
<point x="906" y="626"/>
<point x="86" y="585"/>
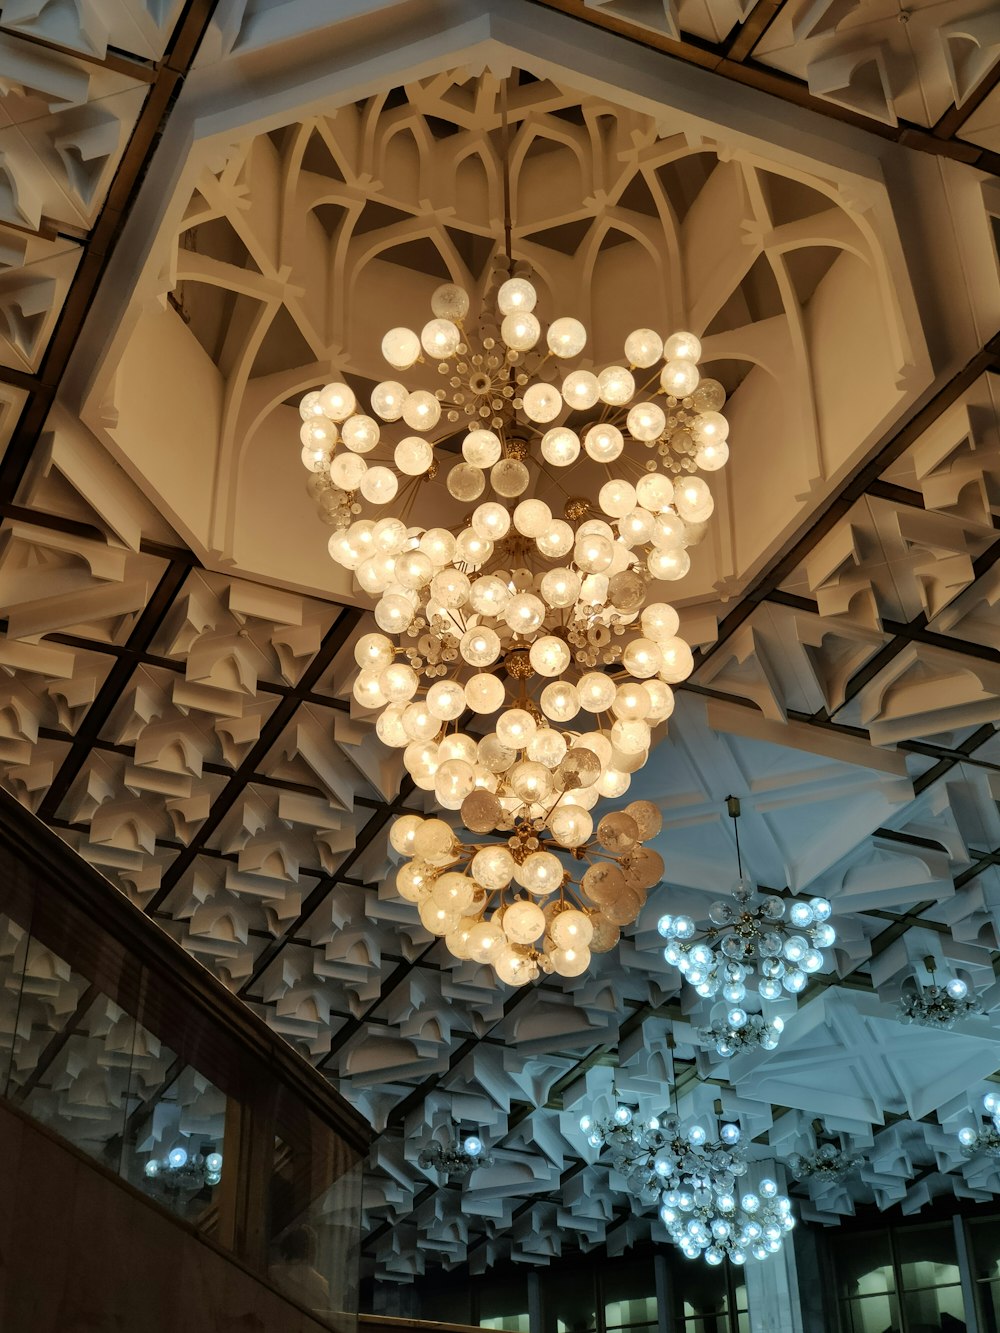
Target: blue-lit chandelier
<point x="827" y="1165"/>
<point x="985" y="1138"/>
<point x="459" y="1157"/>
<point x="935" y="1006"/>
<point x="755" y="940"/>
<point x="180" y="1171"/>
<point x="694" y="1179"/>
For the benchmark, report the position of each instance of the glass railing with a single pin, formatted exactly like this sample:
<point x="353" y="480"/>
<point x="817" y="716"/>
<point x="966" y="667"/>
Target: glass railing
<point x="118" y="1042"/>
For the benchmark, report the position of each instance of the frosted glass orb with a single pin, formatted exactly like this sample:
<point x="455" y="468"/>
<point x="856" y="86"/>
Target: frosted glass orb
<point x="606" y="935"/>
<point x="389" y="727"/>
<point x="360" y="434"/>
<point x="453" y="891"/>
<point x="596" y="691"/>
<point x="413" y="456"/>
<point x="531" y="782"/>
<point x="420" y="759"/>
<point x="692" y="498"/>
<point x="525" y="613"/>
<point x="570" y="825"/>
<point x="710" y="396"/>
<point x="318" y="433"/>
<point x="413" y="569"/>
<point x="480" y="647"/>
<point x="399" y="682"/>
<point x="446" y="700"/>
<point x="457" y="746"/>
<point x="547" y="747"/>
<point x="580" y="389"/>
<point x="347" y="471"/>
<point x="682" y="347"/>
<point x="540" y="873"/>
<point x="440" y="338"/>
<point x="466" y="482"/>
<point x="571" y="929"/>
<point x="615" y="385"/>
<point x="542" y="402"/>
<point x="566" y="337"/>
<point x="493" y="755"/>
<point x="389" y="534"/>
<point x="593" y="554"/>
<point x="679" y="378"/>
<point x="489" y="595"/>
<point x="450" y="587"/>
<point x="678" y="662"/>
<point x="560" y="446"/>
<point x="453" y="781"/>
<point x="401" y="347"/>
<point x="603" y="882"/>
<point x="374" y="651"/>
<point x="636" y="527"/>
<point x="709" y="427"/>
<point x="509" y="477"/>
<point x="379" y="485"/>
<point x="421" y="411"/>
<point x="613" y="783"/>
<point x="668" y="565"/>
<point x="630" y="737"/>
<point x="514" y="968"/>
<point x="669" y="529"/>
<point x="646" y="421"/>
<point x="654" y="491"/>
<point x="482" y="448"/>
<point x="337" y="401"/>
<point x="617" y="498"/>
<point x="560" y="701"/>
<point x="712" y="456"/>
<point x="375" y="573"/>
<point x="485" y="941"/>
<point x="484" y="693"/>
<point x="403" y="832"/>
<point x="471" y="549"/>
<point x="516" y="294"/>
<point x="661" y="701"/>
<point x="449" y="301"/>
<point x="520" y="331"/>
<point x="367" y="690"/>
<point x="604" y="443"/>
<point x="557" y="540"/>
<point x="310" y="406"/>
<point x="659" y="621"/>
<point x="631" y="702"/>
<point x="481" y="811"/>
<point x="420" y="723"/>
<point x="523" y="922"/>
<point x="493" y="867"/>
<point x="515" y="728"/>
<point x="570" y="962"/>
<point x="316" y="457"/>
<point x="532" y="517"/>
<point x="393" y="613"/>
<point x="643" y="348"/>
<point x="388" y="399"/>
<point x="549" y="656"/>
<point x="560" y="587"/>
<point x="642" y="658"/>
<point x="626" y="591"/>
<point x="491" y="520"/>
<point x="434" y="839"/>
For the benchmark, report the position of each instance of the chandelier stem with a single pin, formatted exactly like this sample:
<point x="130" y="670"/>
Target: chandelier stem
<point x="505" y="131"/>
<point x="733" y="806"/>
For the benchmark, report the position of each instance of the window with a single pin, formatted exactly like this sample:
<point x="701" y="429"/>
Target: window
<point x="618" y="1297"/>
<point x="709" y="1300"/>
<point x="984" y="1259"/>
<point x="899" y="1280"/>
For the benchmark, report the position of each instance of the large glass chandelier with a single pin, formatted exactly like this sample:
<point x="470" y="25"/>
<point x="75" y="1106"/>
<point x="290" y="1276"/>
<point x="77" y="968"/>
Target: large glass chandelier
<point x="695" y="1181"/>
<point x="934" y="1006"/>
<point x="983" y="1138"/>
<point x="459" y="1157"/>
<point x="753" y="940"/>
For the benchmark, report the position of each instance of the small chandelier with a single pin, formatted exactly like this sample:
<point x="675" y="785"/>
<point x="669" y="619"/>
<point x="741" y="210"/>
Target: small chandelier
<point x="694" y="1179"/>
<point x="183" y="1172"/>
<point x="826" y="1165"/>
<point x="934" y="1006"/>
<point x="458" y="1157"/>
<point x="986" y="1138"/>
<point x="529" y="903"/>
<point x="753" y="940"/>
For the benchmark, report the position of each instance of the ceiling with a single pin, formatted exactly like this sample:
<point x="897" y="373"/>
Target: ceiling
<point x="206" y="210"/>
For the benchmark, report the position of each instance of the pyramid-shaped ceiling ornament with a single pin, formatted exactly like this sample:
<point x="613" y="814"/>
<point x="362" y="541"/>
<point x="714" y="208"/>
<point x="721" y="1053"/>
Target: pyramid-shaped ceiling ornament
<point x="524" y="654"/>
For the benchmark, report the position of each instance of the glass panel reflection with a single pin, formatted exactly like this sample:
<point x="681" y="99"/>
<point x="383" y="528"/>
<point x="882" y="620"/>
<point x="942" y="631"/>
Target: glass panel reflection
<point x="864" y="1264"/>
<point x="871" y="1314"/>
<point x="926" y="1256"/>
<point x="984" y="1243"/>
<point x="934" y="1311"/>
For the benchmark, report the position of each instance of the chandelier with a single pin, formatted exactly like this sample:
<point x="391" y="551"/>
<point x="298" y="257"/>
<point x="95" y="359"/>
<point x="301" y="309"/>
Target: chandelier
<point x="181" y="1171"/>
<point x="934" y="1006"/>
<point x="753" y="940"/>
<point x="826" y="1165"/>
<point x="694" y="1179"/>
<point x="515" y="509"/>
<point x="986" y="1138"/>
<point x="530" y="903"/>
<point x="457" y="1157"/>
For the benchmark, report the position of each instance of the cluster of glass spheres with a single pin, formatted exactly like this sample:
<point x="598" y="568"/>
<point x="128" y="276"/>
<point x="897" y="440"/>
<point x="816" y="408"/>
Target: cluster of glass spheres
<point x="185" y="1170"/>
<point x="456" y="1158"/>
<point x="827" y="1165"/>
<point x="756" y="940"/>
<point x="694" y="1181"/>
<point x="984" y="1138"/>
<point x="529" y="904"/>
<point x="935" y="1006"/>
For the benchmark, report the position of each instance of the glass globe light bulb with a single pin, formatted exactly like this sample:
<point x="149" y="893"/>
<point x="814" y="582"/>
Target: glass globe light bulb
<point x="337" y="401"/>
<point x="566" y="337"/>
<point x="643" y="348"/>
<point x="549" y="655"/>
<point x="654" y="492"/>
<point x="532" y="518"/>
<point x="401" y="348"/>
<point x="604" y="442"/>
<point x="347" y="471"/>
<point x="466" y="482"/>
<point x="615" y="386"/>
<point x="387" y="400"/>
<point x="542" y="402"/>
<point x="413" y="456"/>
<point x="712" y="456"/>
<point x="480" y="647"/>
<point x="520" y="331"/>
<point x="557" y="539"/>
<point x="679" y="378"/>
<point x="440" y="338"/>
<point x="481" y="448"/>
<point x="516" y="295"/>
<point x="580" y="389"/>
<point x="646" y="422"/>
<point x="509" y="477"/>
<point x="379" y="485"/>
<point x="710" y="428"/>
<point x="484" y="693"/>
<point x="560" y="701"/>
<point x="694" y="500"/>
<point x="560" y="446"/>
<point x="422" y="410"/>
